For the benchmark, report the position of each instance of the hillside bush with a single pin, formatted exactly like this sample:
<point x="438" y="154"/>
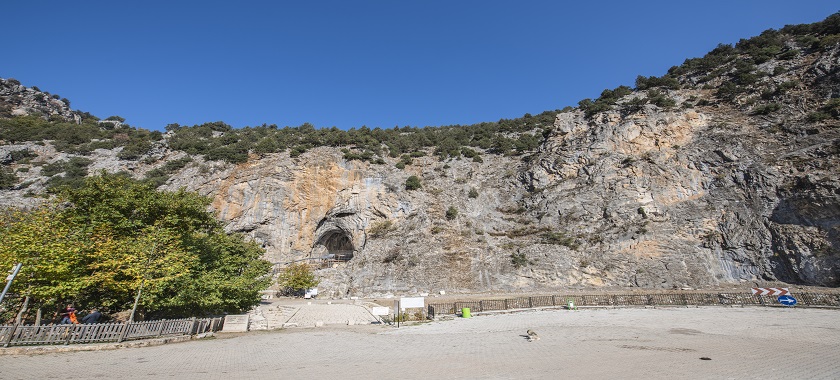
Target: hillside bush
<point x="8" y="179"/>
<point x="451" y="213"/>
<point x="74" y="169"/>
<point x="381" y="228"/>
<point x="817" y="116"/>
<point x="832" y="107"/>
<point x="766" y="109"/>
<point x="560" y="239"/>
<point x="667" y="81"/>
<point x="412" y="183"/>
<point x="21" y="155"/>
<point x="519" y="260"/>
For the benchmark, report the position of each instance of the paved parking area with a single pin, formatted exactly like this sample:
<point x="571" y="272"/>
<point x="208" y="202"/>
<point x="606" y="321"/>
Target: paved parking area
<point x="741" y="343"/>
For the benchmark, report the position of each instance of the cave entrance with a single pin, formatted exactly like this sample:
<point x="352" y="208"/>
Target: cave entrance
<point x="338" y="246"/>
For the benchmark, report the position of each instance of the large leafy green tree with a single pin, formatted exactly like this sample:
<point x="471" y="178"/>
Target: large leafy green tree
<point x="96" y="244"/>
<point x="296" y="278"/>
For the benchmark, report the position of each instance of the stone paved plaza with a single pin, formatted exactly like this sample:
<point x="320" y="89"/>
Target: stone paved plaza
<point x="319" y="313"/>
<point x="663" y="343"/>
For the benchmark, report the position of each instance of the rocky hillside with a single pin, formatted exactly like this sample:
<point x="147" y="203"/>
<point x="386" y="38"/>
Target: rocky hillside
<point x="725" y="170"/>
<point x="19" y="100"/>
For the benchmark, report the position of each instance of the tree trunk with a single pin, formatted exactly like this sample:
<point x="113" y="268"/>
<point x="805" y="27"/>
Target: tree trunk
<point x="22" y="310"/>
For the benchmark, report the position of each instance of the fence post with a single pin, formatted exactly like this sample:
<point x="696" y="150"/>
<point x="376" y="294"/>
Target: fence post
<point x="70" y="329"/>
<point x="480" y="305"/>
<point x="123" y="333"/>
<point x="530" y="303"/>
<point x="192" y="326"/>
<point x="11" y="334"/>
<point x="160" y="327"/>
<point x="506" y="304"/>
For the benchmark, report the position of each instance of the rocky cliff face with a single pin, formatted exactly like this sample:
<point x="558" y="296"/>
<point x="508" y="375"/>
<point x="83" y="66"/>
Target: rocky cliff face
<point x="657" y="198"/>
<point x="19" y="100"/>
<point x="319" y="206"/>
<point x="698" y="193"/>
<point x="688" y="198"/>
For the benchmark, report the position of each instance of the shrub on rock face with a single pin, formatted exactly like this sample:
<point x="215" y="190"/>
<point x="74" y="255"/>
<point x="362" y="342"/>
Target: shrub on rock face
<point x="832" y="107"/>
<point x="412" y="183"/>
<point x="451" y="213"/>
<point x="519" y="260"/>
<point x="381" y="228"/>
<point x="8" y="179"/>
<point x="560" y="238"/>
<point x="766" y="109"/>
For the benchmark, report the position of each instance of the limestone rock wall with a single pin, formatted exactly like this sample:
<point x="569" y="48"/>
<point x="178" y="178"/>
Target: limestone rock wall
<point x="685" y="199"/>
<point x="281" y="202"/>
<point x="656" y="198"/>
<point x="660" y="199"/>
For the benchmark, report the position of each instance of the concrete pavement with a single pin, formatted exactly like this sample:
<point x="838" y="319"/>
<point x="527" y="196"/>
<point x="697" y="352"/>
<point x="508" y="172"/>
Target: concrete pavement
<point x="741" y="343"/>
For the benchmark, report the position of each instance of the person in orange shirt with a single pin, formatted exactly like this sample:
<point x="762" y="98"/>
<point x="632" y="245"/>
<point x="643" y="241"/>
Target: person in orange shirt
<point x="68" y="315"/>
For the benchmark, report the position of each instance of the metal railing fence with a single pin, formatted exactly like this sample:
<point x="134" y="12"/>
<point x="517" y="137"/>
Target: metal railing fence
<point x="619" y="300"/>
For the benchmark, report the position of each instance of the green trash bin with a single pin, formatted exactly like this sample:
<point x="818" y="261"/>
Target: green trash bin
<point x="465" y="312"/>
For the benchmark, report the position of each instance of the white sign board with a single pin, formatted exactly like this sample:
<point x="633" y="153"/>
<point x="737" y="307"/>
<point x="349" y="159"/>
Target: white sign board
<point x="236" y="323"/>
<point x="380" y="310"/>
<point x="412" y="302"/>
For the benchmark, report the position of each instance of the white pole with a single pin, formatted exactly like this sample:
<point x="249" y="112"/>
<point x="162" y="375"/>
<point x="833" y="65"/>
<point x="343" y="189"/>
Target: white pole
<point x="9" y="280"/>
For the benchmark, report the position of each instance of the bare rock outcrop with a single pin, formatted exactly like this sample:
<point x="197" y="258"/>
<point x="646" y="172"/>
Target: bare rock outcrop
<point x="19" y="100"/>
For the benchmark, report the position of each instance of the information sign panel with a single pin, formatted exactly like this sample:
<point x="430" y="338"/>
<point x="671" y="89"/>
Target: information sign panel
<point x="412" y="302"/>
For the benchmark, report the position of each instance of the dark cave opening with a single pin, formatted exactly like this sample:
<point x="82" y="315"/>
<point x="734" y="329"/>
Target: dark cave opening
<point x="338" y="245"/>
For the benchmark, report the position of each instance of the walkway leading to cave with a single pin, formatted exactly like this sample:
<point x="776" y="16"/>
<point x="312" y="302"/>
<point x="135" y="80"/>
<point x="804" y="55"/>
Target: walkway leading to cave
<point x="305" y="313"/>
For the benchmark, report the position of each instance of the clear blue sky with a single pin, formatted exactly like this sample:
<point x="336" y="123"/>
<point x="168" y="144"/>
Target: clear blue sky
<point x="352" y="63"/>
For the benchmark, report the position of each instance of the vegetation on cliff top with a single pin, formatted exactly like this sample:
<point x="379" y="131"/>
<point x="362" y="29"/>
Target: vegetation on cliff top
<point x="731" y="71"/>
